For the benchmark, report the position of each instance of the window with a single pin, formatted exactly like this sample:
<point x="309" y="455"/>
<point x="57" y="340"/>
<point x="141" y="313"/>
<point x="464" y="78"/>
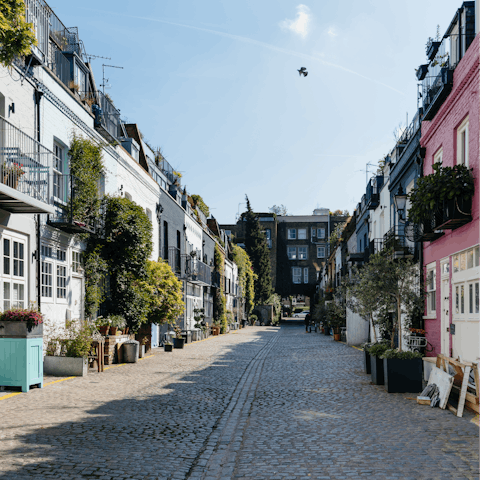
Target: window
<point x="320" y="252"/>
<point x="462" y="143"/>
<point x="61" y="255"/>
<point x="431" y="287"/>
<point x="292" y="234"/>
<point x="268" y="234"/>
<point x="466" y="260"/>
<point x="61" y="281"/>
<point x="149" y="214"/>
<point x="59" y="182"/>
<point x="296" y="275"/>
<point x="320" y="233"/>
<point x="305" y="275"/>
<point x="77" y="262"/>
<point x="13" y="272"/>
<point x="302" y="253"/>
<point x="292" y="253"/>
<point x="302" y="233"/>
<point x="437" y="158"/>
<point x="47" y="279"/>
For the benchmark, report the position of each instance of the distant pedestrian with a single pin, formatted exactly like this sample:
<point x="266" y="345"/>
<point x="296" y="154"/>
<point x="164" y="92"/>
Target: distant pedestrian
<point x="307" y="322"/>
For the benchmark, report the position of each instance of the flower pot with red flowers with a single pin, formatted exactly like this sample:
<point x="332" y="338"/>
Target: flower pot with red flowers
<point x="12" y="172"/>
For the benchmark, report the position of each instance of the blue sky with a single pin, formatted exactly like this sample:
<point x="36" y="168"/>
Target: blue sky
<point x="215" y="85"/>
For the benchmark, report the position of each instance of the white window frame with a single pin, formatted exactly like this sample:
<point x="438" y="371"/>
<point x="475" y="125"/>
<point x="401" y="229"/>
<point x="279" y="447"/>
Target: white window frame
<point x="438" y="157"/>
<point x="462" y="143"/>
<point x="302" y="234"/>
<point x="431" y="289"/>
<point x="54" y="273"/>
<point x="305" y="275"/>
<point x="59" y="190"/>
<point x="296" y="275"/>
<point x="292" y="253"/>
<point x="320" y="251"/>
<point x="291" y="234"/>
<point x="303" y="256"/>
<point x="77" y="263"/>
<point x="16" y="285"/>
<point x="320" y="233"/>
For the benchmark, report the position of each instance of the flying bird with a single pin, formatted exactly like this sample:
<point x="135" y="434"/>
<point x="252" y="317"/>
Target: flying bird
<point x="302" y="71"/>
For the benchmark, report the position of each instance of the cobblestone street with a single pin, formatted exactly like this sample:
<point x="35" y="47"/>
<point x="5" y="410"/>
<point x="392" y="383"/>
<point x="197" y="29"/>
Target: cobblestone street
<point x="260" y="403"/>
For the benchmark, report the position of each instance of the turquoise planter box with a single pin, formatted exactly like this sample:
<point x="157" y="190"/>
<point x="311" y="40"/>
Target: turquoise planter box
<point x="21" y="356"/>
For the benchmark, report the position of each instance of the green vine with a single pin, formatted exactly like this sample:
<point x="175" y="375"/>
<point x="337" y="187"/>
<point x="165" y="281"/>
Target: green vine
<point x="246" y="277"/>
<point x="200" y="204"/>
<point x="220" y="302"/>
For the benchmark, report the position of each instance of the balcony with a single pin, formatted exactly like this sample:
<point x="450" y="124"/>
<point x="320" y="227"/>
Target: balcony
<point x="456" y="213"/>
<point x="372" y="196"/>
<point x="375" y="246"/>
<point x="396" y="241"/>
<point x="107" y="119"/>
<point x="25" y="168"/>
<point x="175" y="260"/>
<point x="172" y="176"/>
<point x="197" y="272"/>
<point x="66" y="189"/>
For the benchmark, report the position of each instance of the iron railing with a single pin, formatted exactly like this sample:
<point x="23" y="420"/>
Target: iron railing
<point x="169" y="172"/>
<point x="396" y="240"/>
<point x="60" y="65"/>
<point x="25" y="164"/>
<point x="375" y="246"/>
<point x="37" y="12"/>
<point x="175" y="260"/>
<point x="65" y="189"/>
<point x="107" y="118"/>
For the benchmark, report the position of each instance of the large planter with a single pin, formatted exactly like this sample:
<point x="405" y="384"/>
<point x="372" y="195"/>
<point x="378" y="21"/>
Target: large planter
<point x="65" y="366"/>
<point x="168" y="347"/>
<point x="215" y="330"/>
<point x="402" y="375"/>
<point x="178" y="342"/>
<point x="376" y="369"/>
<point x="113" y="330"/>
<point x="336" y="337"/>
<point x="456" y="212"/>
<point x="103" y="330"/>
<point x="366" y="362"/>
<point x="141" y="352"/>
<point x="20" y="330"/>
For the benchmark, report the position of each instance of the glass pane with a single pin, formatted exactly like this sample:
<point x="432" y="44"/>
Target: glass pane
<point x="470" y="259"/>
<point x="476" y="256"/>
<point x="6" y="247"/>
<point x="477" y="298"/>
<point x="15" y="267"/>
<point x="470" y="298"/>
<point x="20" y="268"/>
<point x="15" y="249"/>
<point x="20" y="251"/>
<point x="456" y="264"/>
<point x="6" y="291"/>
<point x="463" y="261"/>
<point x="457" y="299"/>
<point x="462" y="299"/>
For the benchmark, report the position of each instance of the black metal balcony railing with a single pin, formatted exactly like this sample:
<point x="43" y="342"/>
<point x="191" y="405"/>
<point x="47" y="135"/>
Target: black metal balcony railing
<point x="169" y="172"/>
<point x="375" y="246"/>
<point x="196" y="271"/>
<point x="25" y="165"/>
<point x="107" y="119"/>
<point x="66" y="189"/>
<point x="396" y="241"/>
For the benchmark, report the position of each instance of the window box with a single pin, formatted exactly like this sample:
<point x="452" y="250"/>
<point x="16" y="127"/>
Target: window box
<point x="422" y="72"/>
<point x="456" y="213"/>
<point x="432" y="49"/>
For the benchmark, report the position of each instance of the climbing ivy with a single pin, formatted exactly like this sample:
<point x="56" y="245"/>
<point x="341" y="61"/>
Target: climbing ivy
<point x="219" y="301"/>
<point x="246" y="277"/>
<point x="200" y="204"/>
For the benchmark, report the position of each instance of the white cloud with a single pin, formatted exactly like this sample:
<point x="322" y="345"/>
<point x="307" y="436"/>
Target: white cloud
<point x="301" y="25"/>
<point x="332" y="32"/>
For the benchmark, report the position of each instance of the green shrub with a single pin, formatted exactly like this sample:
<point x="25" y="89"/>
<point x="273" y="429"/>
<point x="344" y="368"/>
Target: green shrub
<point x="404" y="355"/>
<point x="377" y="349"/>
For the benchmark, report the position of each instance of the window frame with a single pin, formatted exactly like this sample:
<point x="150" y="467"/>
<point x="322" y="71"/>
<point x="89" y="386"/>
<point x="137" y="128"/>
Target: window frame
<point x="299" y="255"/>
<point x="324" y="251"/>
<point x="297" y="275"/>
<point x="291" y="234"/>
<point x="17" y="283"/>
<point x="303" y="235"/>
<point x="290" y="255"/>
<point x="431" y="293"/>
<point x="463" y="152"/>
<point x="305" y="275"/>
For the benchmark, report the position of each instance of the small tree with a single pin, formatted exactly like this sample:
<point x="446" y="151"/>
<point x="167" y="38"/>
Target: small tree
<point x="276" y="301"/>
<point x="16" y="35"/>
<point x="279" y="210"/>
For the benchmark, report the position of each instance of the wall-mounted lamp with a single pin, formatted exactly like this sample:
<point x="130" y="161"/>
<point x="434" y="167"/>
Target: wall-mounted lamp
<point x="11" y="108"/>
<point x="400" y="200"/>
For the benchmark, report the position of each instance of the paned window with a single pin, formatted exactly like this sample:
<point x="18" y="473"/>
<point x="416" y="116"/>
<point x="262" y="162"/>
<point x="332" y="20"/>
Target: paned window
<point x="292" y="253"/>
<point x="13" y="272"/>
<point x="61" y="281"/>
<point x="320" y="233"/>
<point x="437" y="158"/>
<point x="292" y="234"/>
<point x="302" y="253"/>
<point x="59" y="178"/>
<point x="305" y="275"/>
<point x="47" y="279"/>
<point x="77" y="262"/>
<point x="462" y="143"/>
<point x="320" y="252"/>
<point x="302" y="233"/>
<point x="13" y="295"/>
<point x="431" y="290"/>
<point x="296" y="275"/>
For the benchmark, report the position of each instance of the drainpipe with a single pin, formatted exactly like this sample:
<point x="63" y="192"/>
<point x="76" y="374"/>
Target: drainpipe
<point x="38" y="96"/>
<point x="420" y="253"/>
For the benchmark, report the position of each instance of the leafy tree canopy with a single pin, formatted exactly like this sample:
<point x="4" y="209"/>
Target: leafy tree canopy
<point x="279" y="210"/>
<point x="246" y="276"/>
<point x="16" y="35"/>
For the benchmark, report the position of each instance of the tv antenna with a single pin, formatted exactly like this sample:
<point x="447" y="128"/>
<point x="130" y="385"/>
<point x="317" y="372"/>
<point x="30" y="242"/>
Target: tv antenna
<point x="104" y="80"/>
<point x="369" y="164"/>
<point x="89" y="56"/>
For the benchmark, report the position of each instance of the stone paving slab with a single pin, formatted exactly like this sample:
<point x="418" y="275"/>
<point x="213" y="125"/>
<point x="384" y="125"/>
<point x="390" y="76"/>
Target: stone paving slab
<point x="260" y="403"/>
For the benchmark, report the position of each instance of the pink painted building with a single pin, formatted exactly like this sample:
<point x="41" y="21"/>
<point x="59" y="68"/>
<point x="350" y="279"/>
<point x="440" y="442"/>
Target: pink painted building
<point x="450" y="134"/>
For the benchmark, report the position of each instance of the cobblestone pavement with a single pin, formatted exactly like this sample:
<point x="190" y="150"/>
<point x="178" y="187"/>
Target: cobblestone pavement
<point x="261" y="403"/>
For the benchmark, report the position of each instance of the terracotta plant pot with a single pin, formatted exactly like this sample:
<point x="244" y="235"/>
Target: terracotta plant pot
<point x="113" y="330"/>
<point x="336" y="337"/>
<point x="104" y="330"/>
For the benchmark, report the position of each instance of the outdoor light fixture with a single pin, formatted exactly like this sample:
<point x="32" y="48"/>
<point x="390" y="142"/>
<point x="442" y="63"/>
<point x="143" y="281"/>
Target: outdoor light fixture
<point x="400" y="200"/>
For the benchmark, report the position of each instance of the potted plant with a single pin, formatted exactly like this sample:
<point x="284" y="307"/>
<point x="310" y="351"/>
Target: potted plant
<point x="376" y="362"/>
<point x="179" y="340"/>
<point x="143" y="343"/>
<point x="117" y="323"/>
<point x="103" y="325"/>
<point x="402" y="371"/>
<point x="336" y="316"/>
<point x="168" y="346"/>
<point x="69" y="356"/>
<point x="421" y="72"/>
<point x="21" y="344"/>
<point x="12" y="172"/>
